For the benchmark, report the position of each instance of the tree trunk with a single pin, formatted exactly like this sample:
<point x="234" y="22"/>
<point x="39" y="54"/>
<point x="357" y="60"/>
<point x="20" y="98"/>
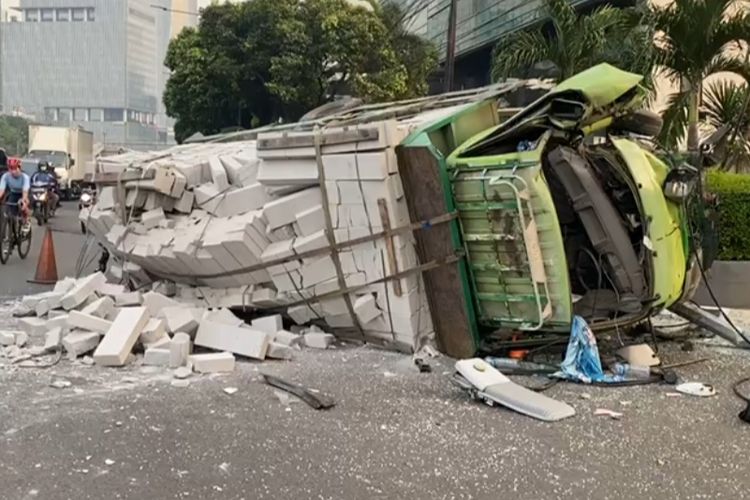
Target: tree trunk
<point x="693" y="141"/>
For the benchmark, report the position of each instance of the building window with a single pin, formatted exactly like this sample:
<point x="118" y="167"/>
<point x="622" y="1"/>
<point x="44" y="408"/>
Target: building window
<point x="50" y="114"/>
<point x="81" y="115"/>
<point x="31" y="15"/>
<point x="48" y="15"/>
<point x="79" y="14"/>
<point x="96" y="115"/>
<point x="114" y="115"/>
<point x="64" y="115"/>
<point x="63" y="15"/>
<point x="90" y="14"/>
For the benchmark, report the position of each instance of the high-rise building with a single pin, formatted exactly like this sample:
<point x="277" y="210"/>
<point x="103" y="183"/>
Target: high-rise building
<point x="94" y="63"/>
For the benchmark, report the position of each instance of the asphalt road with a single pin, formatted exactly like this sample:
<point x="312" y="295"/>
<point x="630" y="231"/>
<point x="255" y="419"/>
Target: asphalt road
<point x="68" y="242"/>
<point x="393" y="434"/>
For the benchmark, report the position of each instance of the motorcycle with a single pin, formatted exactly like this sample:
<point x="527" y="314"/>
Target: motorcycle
<point x="85" y="202"/>
<point x="41" y="203"/>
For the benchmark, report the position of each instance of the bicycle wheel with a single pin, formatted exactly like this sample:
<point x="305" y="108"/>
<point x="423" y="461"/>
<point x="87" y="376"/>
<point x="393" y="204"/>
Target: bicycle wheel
<point x="5" y="242"/>
<point x="22" y="240"/>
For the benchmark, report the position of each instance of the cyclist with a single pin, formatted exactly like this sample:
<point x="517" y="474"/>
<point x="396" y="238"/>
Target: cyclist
<point x="17" y="184"/>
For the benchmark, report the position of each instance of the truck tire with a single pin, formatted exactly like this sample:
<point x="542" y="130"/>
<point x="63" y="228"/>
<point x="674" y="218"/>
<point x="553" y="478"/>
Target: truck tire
<point x="641" y="122"/>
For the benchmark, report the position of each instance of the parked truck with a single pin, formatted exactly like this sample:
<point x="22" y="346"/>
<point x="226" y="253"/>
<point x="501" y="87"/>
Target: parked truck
<point x="69" y="150"/>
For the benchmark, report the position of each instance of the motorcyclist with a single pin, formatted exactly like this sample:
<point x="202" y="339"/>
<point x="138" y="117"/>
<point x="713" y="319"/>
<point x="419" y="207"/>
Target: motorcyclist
<point x="46" y="175"/>
<point x="17" y="184"/>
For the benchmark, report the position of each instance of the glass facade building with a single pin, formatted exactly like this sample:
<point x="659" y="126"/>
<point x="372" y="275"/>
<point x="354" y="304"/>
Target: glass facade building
<point x="93" y="63"/>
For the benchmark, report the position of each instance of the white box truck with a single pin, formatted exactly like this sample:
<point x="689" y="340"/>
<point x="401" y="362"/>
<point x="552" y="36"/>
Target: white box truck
<point x="69" y="150"/>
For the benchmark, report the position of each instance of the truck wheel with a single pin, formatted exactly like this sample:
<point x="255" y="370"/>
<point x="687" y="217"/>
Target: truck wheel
<point x="641" y="122"/>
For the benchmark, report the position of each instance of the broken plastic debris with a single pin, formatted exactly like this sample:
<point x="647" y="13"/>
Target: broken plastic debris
<point x="60" y="384"/>
<point x="696" y="389"/>
<point x="603" y="412"/>
<point x="230" y="390"/>
<point x="109" y="461"/>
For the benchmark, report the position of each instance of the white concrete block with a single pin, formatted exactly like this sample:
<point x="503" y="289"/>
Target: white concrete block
<point x="269" y="324"/>
<point x="48" y="303"/>
<point x="152" y="218"/>
<point x="218" y="173"/>
<point x="21" y="338"/>
<point x="64" y="285"/>
<point x="224" y="316"/>
<point x="58" y="322"/>
<point x="185" y="203"/>
<point x="304" y="313"/>
<point x="179" y="319"/>
<point x="212" y="363"/>
<point x="157" y="356"/>
<point x="364" y="165"/>
<point x="318" y="340"/>
<point x="103" y="307"/>
<point x="78" y="343"/>
<point x="282" y="211"/>
<point x="279" y="351"/>
<point x="288" y="172"/>
<point x="162" y="343"/>
<point x="317" y="271"/>
<point x="84" y="288"/>
<point x="155" y="302"/>
<point x="240" y="173"/>
<point x="312" y="242"/>
<point x="287" y="338"/>
<point x="179" y="349"/>
<point x="238" y="340"/>
<point x="77" y="319"/>
<point x="110" y="289"/>
<point x="311" y="221"/>
<point x="7" y="338"/>
<point x="53" y="338"/>
<point x="264" y="297"/>
<point x="33" y="326"/>
<point x="105" y="199"/>
<point x="121" y="337"/>
<point x="153" y="332"/>
<point x="366" y="308"/>
<point x="128" y="299"/>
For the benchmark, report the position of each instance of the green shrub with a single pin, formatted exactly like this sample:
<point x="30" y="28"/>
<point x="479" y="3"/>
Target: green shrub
<point x="733" y="191"/>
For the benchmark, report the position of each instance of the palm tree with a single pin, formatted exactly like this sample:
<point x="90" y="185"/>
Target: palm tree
<point x="725" y="110"/>
<point x="576" y="42"/>
<point x="695" y="39"/>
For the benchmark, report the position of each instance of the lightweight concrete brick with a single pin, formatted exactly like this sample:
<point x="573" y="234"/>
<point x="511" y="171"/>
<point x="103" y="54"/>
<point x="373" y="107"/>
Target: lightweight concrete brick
<point x="157" y="356"/>
<point x="225" y="317"/>
<point x="154" y="331"/>
<point x="282" y="211"/>
<point x="162" y="343"/>
<point x="33" y="326"/>
<point x="103" y="307"/>
<point x="279" y="351"/>
<point x="179" y="319"/>
<point x="238" y="340"/>
<point x="185" y="203"/>
<point x="179" y="349"/>
<point x="53" y="338"/>
<point x="58" y="322"/>
<point x="78" y="343"/>
<point x="318" y="340"/>
<point x="365" y="166"/>
<point x="77" y="319"/>
<point x="269" y="324"/>
<point x="83" y="290"/>
<point x="121" y="337"/>
<point x="64" y="285"/>
<point x="287" y="338"/>
<point x="152" y="218"/>
<point x="212" y="363"/>
<point x="155" y="302"/>
<point x="129" y="299"/>
<point x="218" y="173"/>
<point x="317" y="271"/>
<point x="366" y="308"/>
<point x="288" y="172"/>
<point x="243" y="200"/>
<point x="7" y="338"/>
<point x="311" y="221"/>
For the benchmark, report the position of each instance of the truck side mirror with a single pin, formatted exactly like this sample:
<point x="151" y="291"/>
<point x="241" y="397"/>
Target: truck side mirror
<point x="72" y="162"/>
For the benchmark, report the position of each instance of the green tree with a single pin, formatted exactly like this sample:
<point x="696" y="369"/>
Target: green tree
<point x="725" y="110"/>
<point x="575" y="42"/>
<point x="695" y="40"/>
<point x="267" y="60"/>
<point x="14" y="135"/>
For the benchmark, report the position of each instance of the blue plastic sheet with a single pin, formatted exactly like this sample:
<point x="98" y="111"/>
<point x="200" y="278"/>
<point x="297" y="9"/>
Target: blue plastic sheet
<point x="582" y="363"/>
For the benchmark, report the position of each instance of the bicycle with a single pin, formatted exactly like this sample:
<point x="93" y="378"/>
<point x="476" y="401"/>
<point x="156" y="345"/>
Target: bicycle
<point x="10" y="233"/>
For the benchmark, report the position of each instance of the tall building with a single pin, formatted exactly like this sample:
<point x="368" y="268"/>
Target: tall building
<point x="94" y="63"/>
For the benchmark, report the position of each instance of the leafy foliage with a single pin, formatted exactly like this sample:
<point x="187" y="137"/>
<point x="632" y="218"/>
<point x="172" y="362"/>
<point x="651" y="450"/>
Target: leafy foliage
<point x="258" y="62"/>
<point x="733" y="191"/>
<point x="577" y="42"/>
<point x="14" y="135"/>
<point x="725" y="107"/>
<point x="693" y="43"/>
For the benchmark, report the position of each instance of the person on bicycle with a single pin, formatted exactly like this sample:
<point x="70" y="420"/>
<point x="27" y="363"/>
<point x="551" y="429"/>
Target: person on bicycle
<point x="17" y="185"/>
<point x="45" y="175"/>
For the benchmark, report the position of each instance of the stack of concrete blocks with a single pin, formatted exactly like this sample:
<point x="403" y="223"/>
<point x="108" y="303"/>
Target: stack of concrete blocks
<point x="217" y="209"/>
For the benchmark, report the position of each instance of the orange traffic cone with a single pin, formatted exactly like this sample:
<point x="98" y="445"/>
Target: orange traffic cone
<point x="46" y="268"/>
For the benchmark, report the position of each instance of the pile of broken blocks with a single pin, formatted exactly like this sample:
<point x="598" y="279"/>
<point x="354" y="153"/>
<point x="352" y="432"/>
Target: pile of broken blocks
<point x="81" y="316"/>
<point x="200" y="215"/>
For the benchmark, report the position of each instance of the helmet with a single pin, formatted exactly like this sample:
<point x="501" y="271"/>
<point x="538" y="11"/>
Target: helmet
<point x="43" y="165"/>
<point x="14" y="163"/>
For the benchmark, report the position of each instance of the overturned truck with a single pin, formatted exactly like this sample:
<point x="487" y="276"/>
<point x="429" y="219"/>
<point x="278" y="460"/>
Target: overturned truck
<point x="453" y="218"/>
